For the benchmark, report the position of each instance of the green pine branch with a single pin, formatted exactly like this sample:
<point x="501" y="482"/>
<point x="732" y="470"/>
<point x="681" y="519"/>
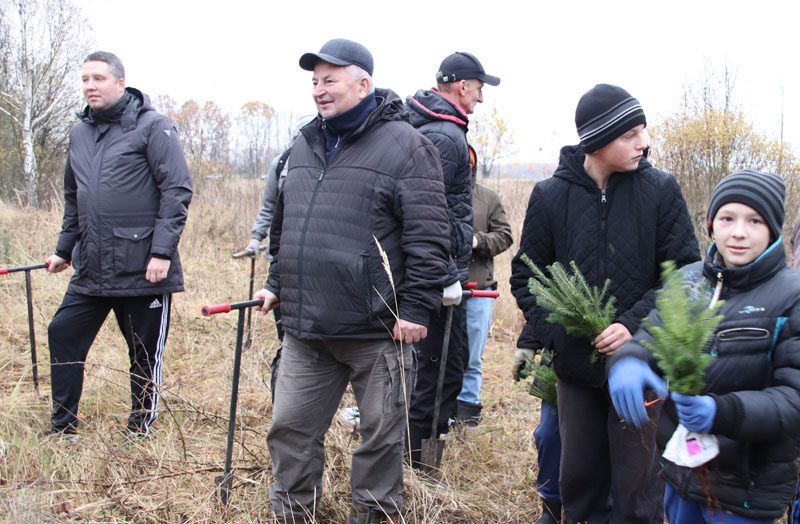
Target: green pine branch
<point x="543" y="385"/>
<point x="582" y="309"/>
<point x="687" y="327"/>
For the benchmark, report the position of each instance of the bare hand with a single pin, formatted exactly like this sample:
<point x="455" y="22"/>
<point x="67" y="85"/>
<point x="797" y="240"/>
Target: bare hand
<point x="56" y="264"/>
<point x="408" y="332"/>
<point x="157" y="270"/>
<point x="612" y="338"/>
<point x="270" y="300"/>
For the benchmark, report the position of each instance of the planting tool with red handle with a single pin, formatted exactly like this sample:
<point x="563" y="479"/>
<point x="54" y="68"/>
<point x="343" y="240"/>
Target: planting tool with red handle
<point x="29" y="298"/>
<point x="224" y="482"/>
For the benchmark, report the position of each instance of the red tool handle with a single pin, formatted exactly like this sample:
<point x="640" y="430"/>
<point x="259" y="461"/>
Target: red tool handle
<point x="482" y="293"/>
<point x="14" y="269"/>
<point x="227" y="307"/>
<point x="470" y="285"/>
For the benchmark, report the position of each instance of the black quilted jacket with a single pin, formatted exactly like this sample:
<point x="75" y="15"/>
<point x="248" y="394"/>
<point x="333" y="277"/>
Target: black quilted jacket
<point x="755" y="381"/>
<point x="446" y="126"/>
<point x="622" y="233"/>
<point x="385" y="185"/>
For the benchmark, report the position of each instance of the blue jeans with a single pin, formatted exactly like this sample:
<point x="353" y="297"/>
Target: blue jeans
<point x="548" y="448"/>
<point x="682" y="511"/>
<point x="479" y="319"/>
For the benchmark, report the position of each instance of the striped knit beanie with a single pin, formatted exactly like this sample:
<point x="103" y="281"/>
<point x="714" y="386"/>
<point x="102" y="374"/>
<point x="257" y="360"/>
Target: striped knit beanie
<point x="605" y="113"/>
<point x="764" y="192"/>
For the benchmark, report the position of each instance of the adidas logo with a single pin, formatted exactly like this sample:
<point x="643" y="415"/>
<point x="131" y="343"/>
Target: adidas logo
<point x="155" y="304"/>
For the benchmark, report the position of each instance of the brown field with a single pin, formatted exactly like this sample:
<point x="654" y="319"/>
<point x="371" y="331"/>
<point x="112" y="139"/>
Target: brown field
<point x="489" y="472"/>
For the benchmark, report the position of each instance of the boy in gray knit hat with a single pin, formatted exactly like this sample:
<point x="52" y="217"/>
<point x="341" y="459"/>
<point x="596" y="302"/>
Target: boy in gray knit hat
<point x="752" y="386"/>
<point x="617" y="217"/>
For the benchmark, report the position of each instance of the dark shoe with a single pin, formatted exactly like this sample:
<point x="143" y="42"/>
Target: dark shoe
<point x="363" y="515"/>
<point x="551" y="512"/>
<point x="468" y="414"/>
<point x="67" y="436"/>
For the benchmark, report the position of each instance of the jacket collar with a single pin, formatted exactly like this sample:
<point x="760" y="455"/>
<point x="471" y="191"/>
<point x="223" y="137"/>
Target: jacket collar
<point x="737" y="279"/>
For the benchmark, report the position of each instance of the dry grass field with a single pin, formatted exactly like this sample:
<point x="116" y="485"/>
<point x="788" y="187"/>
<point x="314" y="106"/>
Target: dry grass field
<point x="489" y="473"/>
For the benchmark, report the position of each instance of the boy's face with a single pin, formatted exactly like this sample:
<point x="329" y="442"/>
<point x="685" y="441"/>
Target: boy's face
<point x="625" y="152"/>
<point x="741" y="234"/>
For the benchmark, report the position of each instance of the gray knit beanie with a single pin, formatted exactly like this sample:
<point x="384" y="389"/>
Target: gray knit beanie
<point x="764" y="192"/>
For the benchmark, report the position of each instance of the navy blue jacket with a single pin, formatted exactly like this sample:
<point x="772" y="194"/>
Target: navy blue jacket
<point x="445" y="125"/>
<point x="755" y="381"/>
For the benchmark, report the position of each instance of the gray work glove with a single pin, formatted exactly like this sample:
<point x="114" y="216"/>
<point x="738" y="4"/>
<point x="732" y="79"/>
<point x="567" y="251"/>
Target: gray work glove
<point x="451" y="295"/>
<point x="521" y="359"/>
<point x="253" y="246"/>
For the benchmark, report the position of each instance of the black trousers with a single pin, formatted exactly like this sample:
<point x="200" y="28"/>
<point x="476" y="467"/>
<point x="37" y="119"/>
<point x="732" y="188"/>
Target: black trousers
<point x="609" y="470"/>
<point x="144" y="322"/>
<point x="429" y="353"/>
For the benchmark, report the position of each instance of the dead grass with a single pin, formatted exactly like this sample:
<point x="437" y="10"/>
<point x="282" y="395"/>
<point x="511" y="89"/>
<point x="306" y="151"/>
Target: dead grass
<point x="489" y="472"/>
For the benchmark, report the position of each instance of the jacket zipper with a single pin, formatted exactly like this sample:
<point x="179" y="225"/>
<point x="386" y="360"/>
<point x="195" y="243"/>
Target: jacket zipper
<point x="302" y="248"/>
<point x="717" y="290"/>
<point x="603" y="234"/>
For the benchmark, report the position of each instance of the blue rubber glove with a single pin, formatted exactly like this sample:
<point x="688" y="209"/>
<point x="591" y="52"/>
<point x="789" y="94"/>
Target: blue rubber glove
<point x="627" y="380"/>
<point x="695" y="412"/>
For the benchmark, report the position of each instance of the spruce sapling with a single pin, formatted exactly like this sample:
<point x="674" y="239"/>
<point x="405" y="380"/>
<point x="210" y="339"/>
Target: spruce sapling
<point x="582" y="309"/>
<point x="687" y="327"/>
<point x="543" y="385"/>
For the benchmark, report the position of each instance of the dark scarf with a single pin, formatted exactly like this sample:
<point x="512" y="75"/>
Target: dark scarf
<point x="113" y="114"/>
<point x="338" y="129"/>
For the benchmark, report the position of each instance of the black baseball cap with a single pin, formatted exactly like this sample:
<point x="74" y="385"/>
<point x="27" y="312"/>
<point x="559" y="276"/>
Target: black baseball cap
<point x="463" y="66"/>
<point x="340" y="52"/>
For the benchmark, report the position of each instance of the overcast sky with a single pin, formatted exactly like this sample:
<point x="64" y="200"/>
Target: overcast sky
<point x="547" y="53"/>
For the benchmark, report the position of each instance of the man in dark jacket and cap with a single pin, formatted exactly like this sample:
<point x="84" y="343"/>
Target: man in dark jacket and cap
<point x="360" y="246"/>
<point x="618" y="218"/>
<point x="440" y="114"/>
<point x="126" y="197"/>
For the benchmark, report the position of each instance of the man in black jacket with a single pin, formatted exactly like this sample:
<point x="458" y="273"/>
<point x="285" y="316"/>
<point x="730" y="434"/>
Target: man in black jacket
<point x="360" y="247"/>
<point x="618" y="218"/>
<point x="441" y="115"/>
<point x="126" y="196"/>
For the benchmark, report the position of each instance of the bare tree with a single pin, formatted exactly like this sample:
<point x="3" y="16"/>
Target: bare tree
<point x="46" y="41"/>
<point x="710" y="138"/>
<point x="256" y="122"/>
<point x="492" y="139"/>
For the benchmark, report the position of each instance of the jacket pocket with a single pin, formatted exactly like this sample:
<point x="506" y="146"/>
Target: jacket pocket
<point x="131" y="249"/>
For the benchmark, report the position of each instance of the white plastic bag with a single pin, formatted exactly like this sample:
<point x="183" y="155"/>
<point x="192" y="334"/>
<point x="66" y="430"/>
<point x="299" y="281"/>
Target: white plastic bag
<point x="690" y="449"/>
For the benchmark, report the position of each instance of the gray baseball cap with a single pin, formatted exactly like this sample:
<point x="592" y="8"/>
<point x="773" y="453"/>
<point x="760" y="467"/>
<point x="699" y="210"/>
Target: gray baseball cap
<point x="340" y="52"/>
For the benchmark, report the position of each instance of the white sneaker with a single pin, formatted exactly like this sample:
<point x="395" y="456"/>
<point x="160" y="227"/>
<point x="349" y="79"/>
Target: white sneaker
<point x="350" y="416"/>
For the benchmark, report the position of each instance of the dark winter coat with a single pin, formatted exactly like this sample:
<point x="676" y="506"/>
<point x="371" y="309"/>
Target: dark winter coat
<point x="126" y="197"/>
<point x="755" y="381"/>
<point x="622" y="234"/>
<point x="384" y="185"/>
<point x="445" y="125"/>
<point x="493" y="235"/>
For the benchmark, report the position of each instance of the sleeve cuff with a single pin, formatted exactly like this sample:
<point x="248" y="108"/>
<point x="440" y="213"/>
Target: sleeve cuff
<point x="729" y="410"/>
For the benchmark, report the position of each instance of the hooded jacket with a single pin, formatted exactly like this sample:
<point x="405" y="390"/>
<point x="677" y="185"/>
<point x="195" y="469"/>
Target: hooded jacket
<point x="383" y="188"/>
<point x="445" y="125"/>
<point x="126" y="198"/>
<point x="755" y="381"/>
<point x="622" y="233"/>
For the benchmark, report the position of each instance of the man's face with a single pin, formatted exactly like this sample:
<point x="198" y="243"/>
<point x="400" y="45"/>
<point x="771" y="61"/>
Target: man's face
<point x="335" y="90"/>
<point x="741" y="234"/>
<point x="625" y="152"/>
<point x="472" y="94"/>
<point x="101" y="88"/>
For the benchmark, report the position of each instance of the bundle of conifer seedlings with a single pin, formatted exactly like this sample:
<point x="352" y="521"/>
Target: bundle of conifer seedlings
<point x="687" y="325"/>
<point x="582" y="309"/>
<point x="543" y="385"/>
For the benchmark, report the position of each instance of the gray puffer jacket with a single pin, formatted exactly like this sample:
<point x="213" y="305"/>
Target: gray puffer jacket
<point x="126" y="197"/>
